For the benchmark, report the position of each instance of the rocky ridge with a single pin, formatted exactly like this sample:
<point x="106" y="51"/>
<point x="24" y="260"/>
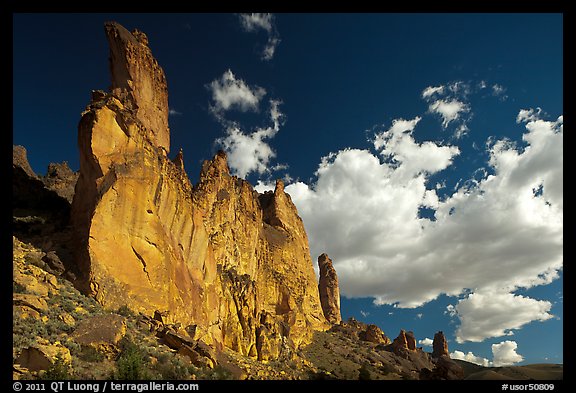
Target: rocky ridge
<point x="188" y="281"/>
<point x="240" y="257"/>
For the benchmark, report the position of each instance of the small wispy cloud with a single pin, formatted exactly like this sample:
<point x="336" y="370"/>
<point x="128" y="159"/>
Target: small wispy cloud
<point x="174" y="112"/>
<point x="499" y="91"/>
<point x="450" y="110"/>
<point x="419" y="315"/>
<point x="450" y="101"/>
<point x="262" y="21"/>
<point x="364" y="313"/>
<point x="229" y="92"/>
<point x="427" y="342"/>
<point x="431" y="90"/>
<point x="528" y="115"/>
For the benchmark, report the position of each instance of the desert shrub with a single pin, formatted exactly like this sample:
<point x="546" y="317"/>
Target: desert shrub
<point x="388" y="368"/>
<point x="19" y="288"/>
<point x="132" y="363"/>
<point x="217" y="373"/>
<point x="91" y="354"/>
<point x="407" y="376"/>
<point x="60" y="370"/>
<point x="364" y="373"/>
<point x="172" y="368"/>
<point x="125" y="311"/>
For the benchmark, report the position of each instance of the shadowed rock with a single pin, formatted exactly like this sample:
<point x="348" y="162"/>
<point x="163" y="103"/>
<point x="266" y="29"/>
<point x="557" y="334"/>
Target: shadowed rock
<point x="329" y="290"/>
<point x="440" y="345"/>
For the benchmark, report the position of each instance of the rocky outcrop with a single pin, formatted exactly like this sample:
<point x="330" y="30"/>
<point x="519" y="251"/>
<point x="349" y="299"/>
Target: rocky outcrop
<point x="43" y="355"/>
<point x="440" y="345"/>
<point x="61" y="179"/>
<point x="444" y="369"/>
<point x="374" y="334"/>
<point x="411" y="341"/>
<point x="40" y="210"/>
<point x="20" y="160"/>
<point x="218" y="255"/>
<point x="404" y="342"/>
<point x="329" y="290"/>
<point x="139" y="82"/>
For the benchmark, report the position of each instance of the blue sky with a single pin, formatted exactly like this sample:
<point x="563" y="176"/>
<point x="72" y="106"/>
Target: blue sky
<point x="423" y="151"/>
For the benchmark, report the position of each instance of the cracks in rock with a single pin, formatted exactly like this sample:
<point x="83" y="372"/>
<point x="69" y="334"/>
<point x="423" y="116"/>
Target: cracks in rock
<point x="149" y="242"/>
<point x="143" y="262"/>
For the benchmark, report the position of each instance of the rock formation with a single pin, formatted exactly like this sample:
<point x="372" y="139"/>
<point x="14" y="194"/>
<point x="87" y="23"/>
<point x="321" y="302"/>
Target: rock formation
<point x="20" y="160"/>
<point x="139" y="82"/>
<point x="40" y="208"/>
<point x="404" y="342"/>
<point x="439" y="345"/>
<point x="329" y="290"/>
<point x="374" y="334"/>
<point x="219" y="256"/>
<point x="411" y="340"/>
<point x="61" y="179"/>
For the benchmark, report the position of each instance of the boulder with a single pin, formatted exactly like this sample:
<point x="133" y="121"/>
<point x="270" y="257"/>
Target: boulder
<point x="102" y="332"/>
<point x="34" y="302"/>
<point x="42" y="355"/>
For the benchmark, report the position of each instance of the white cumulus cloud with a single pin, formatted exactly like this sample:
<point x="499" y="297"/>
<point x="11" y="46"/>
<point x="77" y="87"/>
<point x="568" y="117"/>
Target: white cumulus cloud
<point x="427" y="342"/>
<point x="505" y="354"/>
<point x="450" y="110"/>
<point x="470" y="357"/>
<point x="262" y="21"/>
<point x="484" y="315"/>
<point x="496" y="234"/>
<point x="229" y="93"/>
<point x="250" y="151"/>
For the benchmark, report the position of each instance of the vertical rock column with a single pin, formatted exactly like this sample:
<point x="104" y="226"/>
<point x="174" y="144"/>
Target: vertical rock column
<point x="328" y="289"/>
<point x="439" y="345"/>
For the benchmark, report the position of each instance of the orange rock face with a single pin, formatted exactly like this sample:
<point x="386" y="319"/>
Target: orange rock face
<point x="404" y="342"/>
<point x="329" y="290"/>
<point x="217" y="255"/>
<point x="440" y="345"/>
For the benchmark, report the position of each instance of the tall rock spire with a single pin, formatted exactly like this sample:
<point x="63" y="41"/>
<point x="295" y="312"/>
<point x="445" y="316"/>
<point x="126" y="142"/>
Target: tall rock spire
<point x="220" y="256"/>
<point x="329" y="290"/>
<point x="139" y="82"/>
<point x="439" y="345"/>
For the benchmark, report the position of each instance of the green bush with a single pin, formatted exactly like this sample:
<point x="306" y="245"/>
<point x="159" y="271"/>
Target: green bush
<point x="132" y="363"/>
<point x="19" y="288"/>
<point x="91" y="354"/>
<point x="173" y="369"/>
<point x="364" y="373"/>
<point x="125" y="311"/>
<point x="60" y="370"/>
